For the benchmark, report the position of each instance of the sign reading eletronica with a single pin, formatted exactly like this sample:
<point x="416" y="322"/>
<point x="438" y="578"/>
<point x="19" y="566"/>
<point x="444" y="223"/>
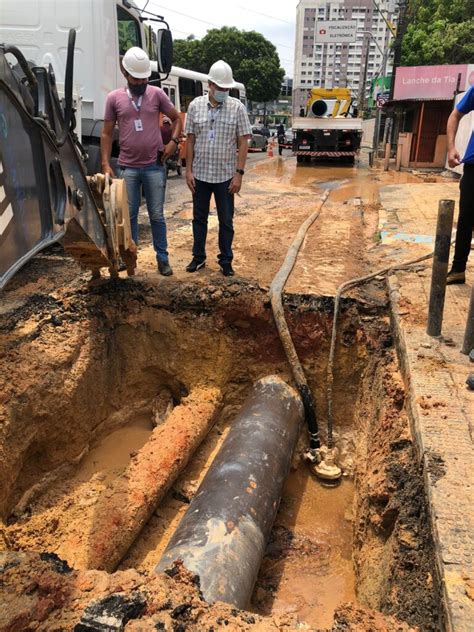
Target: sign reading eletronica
<point x="337" y="31"/>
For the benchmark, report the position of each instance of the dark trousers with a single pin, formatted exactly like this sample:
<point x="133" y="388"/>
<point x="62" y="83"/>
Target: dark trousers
<point x="465" y="220"/>
<point x="225" y="212"/>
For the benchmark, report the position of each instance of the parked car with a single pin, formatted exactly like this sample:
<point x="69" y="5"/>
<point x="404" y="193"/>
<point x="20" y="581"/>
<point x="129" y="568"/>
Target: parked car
<point x="258" y="140"/>
<point x="265" y="131"/>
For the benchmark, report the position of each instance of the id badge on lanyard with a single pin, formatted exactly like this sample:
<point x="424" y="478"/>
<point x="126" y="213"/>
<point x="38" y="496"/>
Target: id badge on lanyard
<point x="213" y="116"/>
<point x="137" y="107"/>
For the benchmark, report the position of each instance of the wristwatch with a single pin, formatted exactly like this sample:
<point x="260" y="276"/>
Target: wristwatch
<point x="176" y="140"/>
<point x="241" y="171"/>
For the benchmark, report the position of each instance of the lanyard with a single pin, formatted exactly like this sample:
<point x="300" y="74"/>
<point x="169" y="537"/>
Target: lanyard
<point x="213" y="114"/>
<point x="137" y="106"/>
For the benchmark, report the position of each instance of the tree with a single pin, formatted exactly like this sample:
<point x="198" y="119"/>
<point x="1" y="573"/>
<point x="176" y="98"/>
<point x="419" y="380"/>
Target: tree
<point x="439" y="32"/>
<point x="254" y="60"/>
<point x="189" y="54"/>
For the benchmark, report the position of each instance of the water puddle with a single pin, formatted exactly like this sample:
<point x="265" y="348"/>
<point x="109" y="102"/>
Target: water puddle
<point x="112" y="455"/>
<point x="307" y="570"/>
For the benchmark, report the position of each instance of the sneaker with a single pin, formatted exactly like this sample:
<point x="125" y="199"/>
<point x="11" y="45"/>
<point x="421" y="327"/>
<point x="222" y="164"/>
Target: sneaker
<point x="226" y="269"/>
<point x="195" y="265"/>
<point x="164" y="268"/>
<point x="455" y="277"/>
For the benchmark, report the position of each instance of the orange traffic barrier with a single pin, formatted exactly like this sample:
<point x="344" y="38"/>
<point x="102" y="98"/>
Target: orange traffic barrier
<point x="270" y="149"/>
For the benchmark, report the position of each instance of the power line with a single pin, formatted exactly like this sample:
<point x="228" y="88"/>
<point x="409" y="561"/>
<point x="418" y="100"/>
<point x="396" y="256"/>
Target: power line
<point x="191" y="17"/>
<point x="265" y="15"/>
<point x="185" y="15"/>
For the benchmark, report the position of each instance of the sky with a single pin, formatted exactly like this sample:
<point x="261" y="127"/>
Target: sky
<point x="275" y="20"/>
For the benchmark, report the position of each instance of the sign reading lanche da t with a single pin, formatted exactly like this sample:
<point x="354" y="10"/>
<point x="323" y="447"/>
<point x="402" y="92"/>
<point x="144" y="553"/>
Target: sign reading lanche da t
<point x="335" y="31"/>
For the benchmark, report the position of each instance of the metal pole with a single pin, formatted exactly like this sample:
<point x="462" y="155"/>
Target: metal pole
<point x="362" y="89"/>
<point x="468" y="343"/>
<point x="223" y="534"/>
<point x="444" y="228"/>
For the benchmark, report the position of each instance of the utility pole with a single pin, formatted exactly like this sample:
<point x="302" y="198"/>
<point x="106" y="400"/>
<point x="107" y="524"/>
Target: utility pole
<point x="378" y="113"/>
<point x="362" y="87"/>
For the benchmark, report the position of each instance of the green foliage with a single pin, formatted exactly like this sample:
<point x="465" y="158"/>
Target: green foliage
<point x="254" y="60"/>
<point x="439" y="32"/>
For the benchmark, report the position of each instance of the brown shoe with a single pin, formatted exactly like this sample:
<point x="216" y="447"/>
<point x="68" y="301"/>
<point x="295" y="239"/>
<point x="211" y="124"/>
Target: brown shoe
<point x="455" y="277"/>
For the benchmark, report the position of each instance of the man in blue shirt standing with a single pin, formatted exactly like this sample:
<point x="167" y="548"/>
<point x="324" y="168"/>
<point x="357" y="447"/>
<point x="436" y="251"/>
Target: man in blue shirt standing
<point x="457" y="274"/>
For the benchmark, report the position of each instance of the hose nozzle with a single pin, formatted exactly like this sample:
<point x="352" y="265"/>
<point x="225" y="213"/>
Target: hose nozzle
<point x="323" y="464"/>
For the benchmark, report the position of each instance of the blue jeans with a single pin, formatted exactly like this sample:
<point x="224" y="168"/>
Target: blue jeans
<point x="153" y="179"/>
<point x="225" y="213"/>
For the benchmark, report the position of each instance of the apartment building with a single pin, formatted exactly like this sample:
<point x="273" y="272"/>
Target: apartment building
<point x="340" y="64"/>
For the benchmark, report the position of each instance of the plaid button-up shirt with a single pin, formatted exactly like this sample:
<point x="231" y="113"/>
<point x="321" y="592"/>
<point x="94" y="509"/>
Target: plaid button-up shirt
<point x="216" y="130"/>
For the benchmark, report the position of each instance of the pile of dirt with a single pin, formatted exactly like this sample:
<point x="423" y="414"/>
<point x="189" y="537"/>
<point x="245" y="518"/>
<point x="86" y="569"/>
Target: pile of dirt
<point x="43" y="592"/>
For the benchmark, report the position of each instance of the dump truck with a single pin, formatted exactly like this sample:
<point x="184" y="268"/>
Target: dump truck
<point x="329" y="127"/>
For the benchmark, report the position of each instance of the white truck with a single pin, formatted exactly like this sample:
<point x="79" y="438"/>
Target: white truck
<point x="105" y="29"/>
<point x="328" y="129"/>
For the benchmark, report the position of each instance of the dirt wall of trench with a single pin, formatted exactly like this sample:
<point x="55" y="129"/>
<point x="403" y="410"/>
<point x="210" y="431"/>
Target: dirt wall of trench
<point x="393" y="547"/>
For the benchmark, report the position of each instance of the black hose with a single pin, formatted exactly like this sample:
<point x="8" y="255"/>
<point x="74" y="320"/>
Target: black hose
<point x="276" y="289"/>
<point x="68" y="109"/>
<point x="21" y="59"/>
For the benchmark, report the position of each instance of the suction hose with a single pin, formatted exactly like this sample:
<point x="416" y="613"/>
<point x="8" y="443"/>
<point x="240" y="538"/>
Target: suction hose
<point x="276" y="289"/>
<point x="341" y="289"/>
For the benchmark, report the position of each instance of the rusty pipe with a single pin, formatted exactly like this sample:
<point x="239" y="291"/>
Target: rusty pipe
<point x="222" y="536"/>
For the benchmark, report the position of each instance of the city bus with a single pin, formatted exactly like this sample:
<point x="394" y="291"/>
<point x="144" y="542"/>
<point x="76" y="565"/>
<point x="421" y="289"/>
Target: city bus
<point x="183" y="85"/>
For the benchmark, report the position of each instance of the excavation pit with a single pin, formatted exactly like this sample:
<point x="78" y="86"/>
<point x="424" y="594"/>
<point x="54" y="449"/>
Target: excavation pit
<point x="93" y="379"/>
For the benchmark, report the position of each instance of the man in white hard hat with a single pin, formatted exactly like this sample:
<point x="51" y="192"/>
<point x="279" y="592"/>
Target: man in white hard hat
<point x="136" y="109"/>
<point x="216" y="126"/>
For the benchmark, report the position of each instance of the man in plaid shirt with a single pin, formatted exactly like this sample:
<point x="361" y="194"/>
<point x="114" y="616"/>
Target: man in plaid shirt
<point x="216" y="126"/>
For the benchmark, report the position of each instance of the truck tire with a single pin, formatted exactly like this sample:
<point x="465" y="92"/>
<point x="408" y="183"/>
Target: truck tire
<point x="300" y="159"/>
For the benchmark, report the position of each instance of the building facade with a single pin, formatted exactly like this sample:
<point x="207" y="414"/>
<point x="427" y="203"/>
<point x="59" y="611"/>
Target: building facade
<point x="352" y="65"/>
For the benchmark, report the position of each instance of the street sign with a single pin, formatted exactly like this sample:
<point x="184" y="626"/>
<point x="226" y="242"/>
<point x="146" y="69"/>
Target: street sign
<point x="335" y="31"/>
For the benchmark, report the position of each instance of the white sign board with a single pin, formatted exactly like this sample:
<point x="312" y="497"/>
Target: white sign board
<point x="335" y="31"/>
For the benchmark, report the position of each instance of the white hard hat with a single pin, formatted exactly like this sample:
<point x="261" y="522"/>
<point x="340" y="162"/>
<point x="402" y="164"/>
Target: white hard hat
<point x="137" y="63"/>
<point x="221" y="74"/>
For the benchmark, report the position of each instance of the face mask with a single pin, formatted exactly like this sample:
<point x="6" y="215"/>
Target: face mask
<point x="220" y="95"/>
<point x="137" y="90"/>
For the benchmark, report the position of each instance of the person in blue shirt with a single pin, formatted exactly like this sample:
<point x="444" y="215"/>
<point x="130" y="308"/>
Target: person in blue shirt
<point x="457" y="274"/>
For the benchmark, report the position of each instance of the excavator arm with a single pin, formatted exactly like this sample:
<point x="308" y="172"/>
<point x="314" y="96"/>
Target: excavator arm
<point x="45" y="194"/>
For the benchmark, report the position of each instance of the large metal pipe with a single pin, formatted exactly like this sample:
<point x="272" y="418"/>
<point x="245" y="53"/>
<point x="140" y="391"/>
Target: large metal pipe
<point x="222" y="536"/>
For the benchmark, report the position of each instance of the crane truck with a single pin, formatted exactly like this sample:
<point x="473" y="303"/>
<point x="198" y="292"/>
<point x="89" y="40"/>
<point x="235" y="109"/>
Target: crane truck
<point x="328" y="128"/>
<point x="45" y="192"/>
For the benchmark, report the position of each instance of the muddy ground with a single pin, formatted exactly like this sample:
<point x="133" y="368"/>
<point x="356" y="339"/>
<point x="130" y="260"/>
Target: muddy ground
<point x="81" y="369"/>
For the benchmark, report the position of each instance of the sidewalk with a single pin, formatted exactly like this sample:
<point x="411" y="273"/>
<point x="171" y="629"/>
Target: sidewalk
<point x="440" y="406"/>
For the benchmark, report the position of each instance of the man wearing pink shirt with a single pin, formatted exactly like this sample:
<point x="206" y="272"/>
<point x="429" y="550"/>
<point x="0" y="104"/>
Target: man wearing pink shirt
<point x="136" y="109"/>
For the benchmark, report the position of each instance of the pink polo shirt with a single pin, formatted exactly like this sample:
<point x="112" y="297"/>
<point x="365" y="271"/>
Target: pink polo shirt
<point x="138" y="149"/>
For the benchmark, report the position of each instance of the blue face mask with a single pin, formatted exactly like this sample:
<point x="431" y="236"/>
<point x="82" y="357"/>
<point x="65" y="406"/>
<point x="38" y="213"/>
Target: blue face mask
<point x="220" y="95"/>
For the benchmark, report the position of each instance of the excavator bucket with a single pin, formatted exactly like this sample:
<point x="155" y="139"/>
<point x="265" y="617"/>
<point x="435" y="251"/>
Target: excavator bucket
<point x="45" y="195"/>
